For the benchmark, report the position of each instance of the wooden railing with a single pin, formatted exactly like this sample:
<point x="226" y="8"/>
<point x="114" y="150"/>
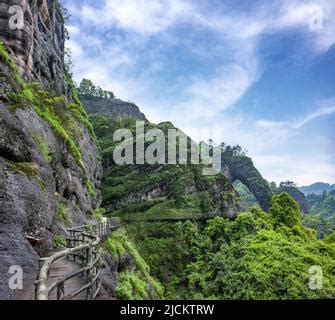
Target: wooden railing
<point x="82" y="246"/>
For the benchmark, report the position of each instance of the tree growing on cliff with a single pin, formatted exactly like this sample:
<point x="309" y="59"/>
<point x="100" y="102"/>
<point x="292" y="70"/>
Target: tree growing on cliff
<point x="88" y="88"/>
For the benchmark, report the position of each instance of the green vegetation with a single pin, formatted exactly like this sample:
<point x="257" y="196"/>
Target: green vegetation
<point x="245" y="194"/>
<point x="67" y="120"/>
<point x="99" y="214"/>
<point x="256" y="256"/>
<point x="63" y="215"/>
<point x="29" y="169"/>
<point x="87" y="88"/>
<point x="6" y="58"/>
<point x="318" y="210"/>
<point x="165" y="188"/>
<point x="13" y="74"/>
<point x="321" y="213"/>
<point x="44" y="147"/>
<point x="59" y="241"/>
<point x="242" y="168"/>
<point x="285" y="210"/>
<point x="91" y="189"/>
<point x="77" y="108"/>
<point x="133" y="285"/>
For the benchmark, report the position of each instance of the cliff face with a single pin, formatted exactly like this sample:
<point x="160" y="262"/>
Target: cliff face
<point x="113" y="108"/>
<point x="38" y="47"/>
<point x="49" y="167"/>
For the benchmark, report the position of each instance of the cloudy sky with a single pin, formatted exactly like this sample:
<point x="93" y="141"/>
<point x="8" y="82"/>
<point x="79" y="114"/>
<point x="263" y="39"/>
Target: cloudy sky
<point x="256" y="73"/>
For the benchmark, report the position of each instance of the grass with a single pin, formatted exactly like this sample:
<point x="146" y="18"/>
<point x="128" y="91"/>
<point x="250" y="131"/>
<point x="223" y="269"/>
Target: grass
<point x="6" y="58"/>
<point x="9" y="62"/>
<point x="131" y="287"/>
<point x="29" y="169"/>
<point x="44" y="147"/>
<point x="63" y="215"/>
<point x="59" y="241"/>
<point x="91" y="189"/>
<point x="139" y="284"/>
<point x="99" y="214"/>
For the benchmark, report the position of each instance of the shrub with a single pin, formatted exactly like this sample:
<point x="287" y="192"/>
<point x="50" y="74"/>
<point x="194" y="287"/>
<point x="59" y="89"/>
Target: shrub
<point x="285" y="210"/>
<point x="29" y="169"/>
<point x="63" y="215"/>
<point x="59" y="241"/>
<point x="44" y="147"/>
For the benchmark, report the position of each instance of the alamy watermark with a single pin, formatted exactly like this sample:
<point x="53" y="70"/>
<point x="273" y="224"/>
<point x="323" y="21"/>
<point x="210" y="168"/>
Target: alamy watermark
<point x="155" y="147"/>
<point x="316" y="277"/>
<point x="15" y="282"/>
<point x="16" y="20"/>
<point x="316" y="21"/>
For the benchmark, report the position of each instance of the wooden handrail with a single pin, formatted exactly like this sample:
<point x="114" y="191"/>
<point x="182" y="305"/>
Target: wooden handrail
<point x="81" y="244"/>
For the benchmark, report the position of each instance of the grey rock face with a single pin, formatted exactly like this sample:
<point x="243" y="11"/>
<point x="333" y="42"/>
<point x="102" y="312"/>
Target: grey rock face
<point x="113" y="108"/>
<point x="33" y="187"/>
<point x="38" y="48"/>
<point x="29" y="200"/>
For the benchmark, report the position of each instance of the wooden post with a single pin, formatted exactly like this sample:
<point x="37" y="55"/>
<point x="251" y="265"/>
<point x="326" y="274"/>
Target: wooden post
<point x="89" y="292"/>
<point x="60" y="291"/>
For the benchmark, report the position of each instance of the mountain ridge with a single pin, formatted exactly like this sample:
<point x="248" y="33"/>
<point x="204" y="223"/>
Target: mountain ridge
<point x="317" y="188"/>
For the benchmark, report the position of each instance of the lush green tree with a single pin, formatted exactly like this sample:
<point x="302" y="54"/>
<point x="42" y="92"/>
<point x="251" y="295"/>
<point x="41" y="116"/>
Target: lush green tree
<point x="88" y="88"/>
<point x="285" y="210"/>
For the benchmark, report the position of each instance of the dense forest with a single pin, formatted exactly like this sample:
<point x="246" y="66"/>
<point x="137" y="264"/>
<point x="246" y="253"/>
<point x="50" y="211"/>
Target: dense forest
<point x="318" y="211"/>
<point x="258" y="255"/>
<point x="321" y="213"/>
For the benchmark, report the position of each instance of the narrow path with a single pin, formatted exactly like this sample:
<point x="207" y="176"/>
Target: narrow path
<point x="83" y="244"/>
<point x="58" y="269"/>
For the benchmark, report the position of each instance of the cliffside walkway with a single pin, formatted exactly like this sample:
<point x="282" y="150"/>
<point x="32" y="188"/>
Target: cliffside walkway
<point x="75" y="272"/>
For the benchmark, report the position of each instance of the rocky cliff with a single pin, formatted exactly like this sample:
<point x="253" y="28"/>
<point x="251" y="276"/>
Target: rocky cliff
<point x="49" y="167"/>
<point x="113" y="108"/>
<point x="37" y="46"/>
<point x="239" y="167"/>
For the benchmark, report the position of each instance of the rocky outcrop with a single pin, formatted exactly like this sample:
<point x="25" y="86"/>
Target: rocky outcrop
<point x="113" y="108"/>
<point x="296" y="195"/>
<point x="241" y="168"/>
<point x="49" y="168"/>
<point x="37" y="47"/>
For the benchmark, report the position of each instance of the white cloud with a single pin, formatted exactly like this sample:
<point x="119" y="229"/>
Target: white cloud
<point x="142" y="16"/>
<point x="326" y="108"/>
<point x="130" y="67"/>
<point x="76" y="49"/>
<point x="323" y="111"/>
<point x="303" y="170"/>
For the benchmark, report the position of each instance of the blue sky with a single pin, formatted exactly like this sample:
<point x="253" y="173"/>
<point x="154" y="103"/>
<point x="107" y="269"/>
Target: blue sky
<point x="256" y="73"/>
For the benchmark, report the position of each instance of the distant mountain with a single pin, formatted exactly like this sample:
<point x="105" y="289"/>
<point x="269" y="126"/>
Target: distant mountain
<point x="317" y="188"/>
